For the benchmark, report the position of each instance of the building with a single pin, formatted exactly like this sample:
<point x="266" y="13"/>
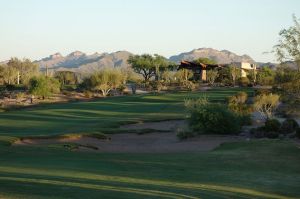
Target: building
<point x="199" y="69"/>
<point x="245" y="67"/>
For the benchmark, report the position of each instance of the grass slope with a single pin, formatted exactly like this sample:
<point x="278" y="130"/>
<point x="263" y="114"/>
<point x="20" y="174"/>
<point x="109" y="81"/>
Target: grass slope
<point x="256" y="169"/>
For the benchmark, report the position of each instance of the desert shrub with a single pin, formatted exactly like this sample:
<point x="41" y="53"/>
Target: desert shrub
<point x="192" y="104"/>
<point x="266" y="104"/>
<point x="88" y="94"/>
<point x="289" y="126"/>
<point x="214" y="119"/>
<point x="156" y="86"/>
<point x="262" y="92"/>
<point x="244" y="81"/>
<point x="271" y="129"/>
<point x="272" y="125"/>
<point x="298" y="132"/>
<point x="237" y="104"/>
<point x="44" y="86"/>
<point x="20" y="95"/>
<point x="189" y="85"/>
<point x="184" y="133"/>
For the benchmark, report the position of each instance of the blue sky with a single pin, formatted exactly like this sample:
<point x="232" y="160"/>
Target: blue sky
<point x="38" y="28"/>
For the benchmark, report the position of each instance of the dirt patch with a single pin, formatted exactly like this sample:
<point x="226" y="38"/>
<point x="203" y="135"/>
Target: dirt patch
<point x="170" y="125"/>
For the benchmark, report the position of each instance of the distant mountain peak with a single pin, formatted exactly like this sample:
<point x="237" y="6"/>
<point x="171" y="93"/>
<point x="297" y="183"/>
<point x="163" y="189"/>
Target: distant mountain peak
<point x="81" y="62"/>
<point x="55" y="56"/>
<point x="221" y="57"/>
<point x="76" y="54"/>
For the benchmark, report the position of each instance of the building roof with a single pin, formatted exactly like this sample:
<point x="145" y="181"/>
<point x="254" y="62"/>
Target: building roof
<point x="193" y="65"/>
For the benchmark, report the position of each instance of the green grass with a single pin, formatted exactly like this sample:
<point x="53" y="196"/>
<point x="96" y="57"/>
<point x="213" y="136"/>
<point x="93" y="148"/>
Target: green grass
<point x="253" y="169"/>
<point x="100" y="115"/>
<point x="256" y="169"/>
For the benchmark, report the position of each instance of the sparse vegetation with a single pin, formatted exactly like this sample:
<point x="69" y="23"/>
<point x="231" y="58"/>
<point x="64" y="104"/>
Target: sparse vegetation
<point x="266" y="104"/>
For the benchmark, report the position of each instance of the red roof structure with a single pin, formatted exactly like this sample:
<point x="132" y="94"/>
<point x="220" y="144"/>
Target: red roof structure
<point x="199" y="69"/>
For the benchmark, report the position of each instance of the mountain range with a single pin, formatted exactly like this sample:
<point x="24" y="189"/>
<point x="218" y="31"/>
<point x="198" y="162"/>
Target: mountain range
<point x="80" y="62"/>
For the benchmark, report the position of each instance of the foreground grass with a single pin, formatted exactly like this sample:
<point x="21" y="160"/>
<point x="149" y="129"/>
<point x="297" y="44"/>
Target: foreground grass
<point x="255" y="169"/>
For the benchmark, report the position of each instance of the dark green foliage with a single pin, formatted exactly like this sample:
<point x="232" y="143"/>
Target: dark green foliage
<point x="148" y="66"/>
<point x="184" y="134"/>
<point x="289" y="126"/>
<point x="44" y="86"/>
<point x="265" y="76"/>
<point x="66" y="77"/>
<point x="271" y="129"/>
<point x="214" y="119"/>
<point x="272" y="125"/>
<point x="298" y="132"/>
<point x="261" y="132"/>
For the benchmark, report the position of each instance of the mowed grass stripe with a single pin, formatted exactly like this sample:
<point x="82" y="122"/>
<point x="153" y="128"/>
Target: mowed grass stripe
<point x="118" y="179"/>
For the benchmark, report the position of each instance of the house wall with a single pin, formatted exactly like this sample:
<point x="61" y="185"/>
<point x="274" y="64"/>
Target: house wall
<point x="245" y="67"/>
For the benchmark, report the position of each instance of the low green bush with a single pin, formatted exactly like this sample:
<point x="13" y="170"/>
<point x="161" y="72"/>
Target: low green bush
<point x="261" y="132"/>
<point x="214" y="119"/>
<point x="272" y="125"/>
<point x="289" y="126"/>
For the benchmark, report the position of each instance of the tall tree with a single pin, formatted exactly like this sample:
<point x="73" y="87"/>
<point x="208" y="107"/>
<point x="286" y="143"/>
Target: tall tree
<point x="288" y="47"/>
<point x="66" y="77"/>
<point x="25" y="70"/>
<point x="105" y="81"/>
<point x="143" y="65"/>
<point x="159" y="63"/>
<point x="148" y="66"/>
<point x="235" y="73"/>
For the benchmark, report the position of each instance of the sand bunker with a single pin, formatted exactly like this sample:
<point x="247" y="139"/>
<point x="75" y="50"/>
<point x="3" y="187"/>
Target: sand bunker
<point x="146" y="143"/>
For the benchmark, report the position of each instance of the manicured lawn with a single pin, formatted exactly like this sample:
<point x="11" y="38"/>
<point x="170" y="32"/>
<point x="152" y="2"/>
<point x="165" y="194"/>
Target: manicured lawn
<point x="250" y="169"/>
<point x="256" y="169"/>
<point x="83" y="117"/>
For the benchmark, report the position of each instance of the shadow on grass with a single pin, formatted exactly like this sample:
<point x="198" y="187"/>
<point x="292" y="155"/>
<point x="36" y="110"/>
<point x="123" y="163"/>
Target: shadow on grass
<point x="125" y="184"/>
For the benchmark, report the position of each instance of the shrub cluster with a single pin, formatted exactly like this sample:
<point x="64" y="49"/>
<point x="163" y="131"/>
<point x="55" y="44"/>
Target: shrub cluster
<point x="273" y="129"/>
<point x="214" y="119"/>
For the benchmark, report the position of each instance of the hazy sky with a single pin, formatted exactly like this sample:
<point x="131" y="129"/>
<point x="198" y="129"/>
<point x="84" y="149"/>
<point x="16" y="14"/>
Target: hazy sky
<point x="38" y="28"/>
